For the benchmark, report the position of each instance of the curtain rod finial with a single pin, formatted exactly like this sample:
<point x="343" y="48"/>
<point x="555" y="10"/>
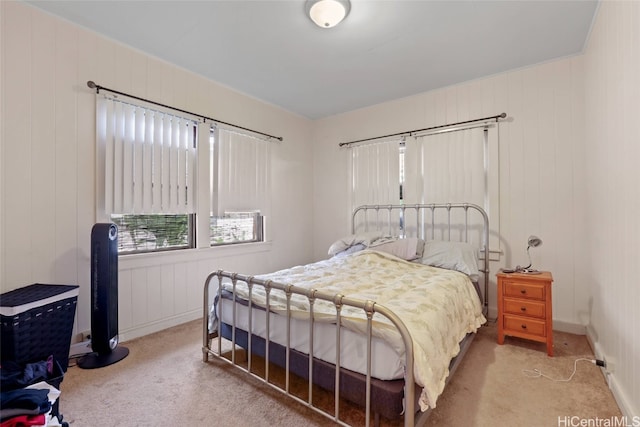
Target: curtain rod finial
<point x="503" y="115"/>
<point x="91" y="84"/>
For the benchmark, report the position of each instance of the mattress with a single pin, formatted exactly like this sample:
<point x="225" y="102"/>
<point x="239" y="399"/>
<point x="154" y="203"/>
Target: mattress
<point x="386" y="364"/>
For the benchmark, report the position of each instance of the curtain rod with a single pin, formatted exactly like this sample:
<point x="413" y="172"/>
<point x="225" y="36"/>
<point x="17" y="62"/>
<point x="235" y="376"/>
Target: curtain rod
<point x="97" y="87"/>
<point x="410" y="132"/>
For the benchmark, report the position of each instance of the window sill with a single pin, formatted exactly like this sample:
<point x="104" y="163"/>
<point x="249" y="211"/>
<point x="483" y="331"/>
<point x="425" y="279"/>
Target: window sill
<point x="188" y="255"/>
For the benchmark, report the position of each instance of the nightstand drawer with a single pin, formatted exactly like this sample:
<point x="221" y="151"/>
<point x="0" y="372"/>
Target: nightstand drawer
<point x="524" y="290"/>
<point x="524" y="307"/>
<point x="524" y="325"/>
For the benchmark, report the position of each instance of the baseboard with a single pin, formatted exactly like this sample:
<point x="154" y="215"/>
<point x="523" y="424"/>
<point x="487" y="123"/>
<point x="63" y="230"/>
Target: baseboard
<point x="571" y="328"/>
<point x="149" y="328"/>
<point x="631" y="412"/>
<point x="626" y="407"/>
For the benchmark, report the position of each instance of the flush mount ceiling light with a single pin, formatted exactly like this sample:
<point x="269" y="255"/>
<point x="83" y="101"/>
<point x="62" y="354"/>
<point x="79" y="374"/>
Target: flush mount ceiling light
<point x="327" y="13"/>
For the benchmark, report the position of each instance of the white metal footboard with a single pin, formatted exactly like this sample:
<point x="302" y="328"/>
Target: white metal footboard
<point x="369" y="307"/>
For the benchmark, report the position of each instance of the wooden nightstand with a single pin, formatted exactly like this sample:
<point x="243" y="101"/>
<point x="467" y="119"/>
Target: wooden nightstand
<point x="524" y="307"/>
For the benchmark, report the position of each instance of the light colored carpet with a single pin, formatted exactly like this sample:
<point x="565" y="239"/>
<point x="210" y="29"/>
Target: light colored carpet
<point x="163" y="382"/>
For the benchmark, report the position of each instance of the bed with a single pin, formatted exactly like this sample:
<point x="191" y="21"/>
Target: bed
<point x="380" y="323"/>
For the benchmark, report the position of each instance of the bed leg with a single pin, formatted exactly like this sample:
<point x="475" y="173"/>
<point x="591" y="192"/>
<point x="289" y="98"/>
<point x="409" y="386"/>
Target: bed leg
<point x="376" y="419"/>
<point x="205" y="354"/>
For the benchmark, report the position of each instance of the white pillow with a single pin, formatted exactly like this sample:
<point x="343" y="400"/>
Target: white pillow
<point x="459" y="256"/>
<point x="354" y="239"/>
<point x="408" y="249"/>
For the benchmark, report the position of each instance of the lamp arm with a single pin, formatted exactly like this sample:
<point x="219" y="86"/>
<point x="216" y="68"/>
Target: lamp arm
<point x="529" y="255"/>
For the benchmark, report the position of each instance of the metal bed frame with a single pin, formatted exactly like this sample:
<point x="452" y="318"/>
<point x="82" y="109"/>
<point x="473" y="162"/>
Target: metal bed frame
<point x="338" y="300"/>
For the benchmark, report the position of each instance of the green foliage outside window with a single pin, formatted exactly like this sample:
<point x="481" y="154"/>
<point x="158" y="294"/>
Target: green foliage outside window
<point x="146" y="233"/>
<point x="236" y="227"/>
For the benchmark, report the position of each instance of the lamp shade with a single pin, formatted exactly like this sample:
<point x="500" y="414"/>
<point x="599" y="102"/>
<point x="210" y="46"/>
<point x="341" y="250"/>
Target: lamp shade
<point x="327" y="13"/>
<point x="534" y="241"/>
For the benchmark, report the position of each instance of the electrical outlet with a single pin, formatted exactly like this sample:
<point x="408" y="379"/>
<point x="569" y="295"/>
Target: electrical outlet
<point x="609" y="364"/>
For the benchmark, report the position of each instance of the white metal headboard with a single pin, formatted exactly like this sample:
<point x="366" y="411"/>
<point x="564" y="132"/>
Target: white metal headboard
<point x="425" y="220"/>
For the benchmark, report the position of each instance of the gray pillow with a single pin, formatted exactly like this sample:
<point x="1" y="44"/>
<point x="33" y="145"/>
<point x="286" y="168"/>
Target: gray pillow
<point x="459" y="256"/>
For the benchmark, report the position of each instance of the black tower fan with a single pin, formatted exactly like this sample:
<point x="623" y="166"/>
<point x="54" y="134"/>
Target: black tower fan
<point x="104" y="299"/>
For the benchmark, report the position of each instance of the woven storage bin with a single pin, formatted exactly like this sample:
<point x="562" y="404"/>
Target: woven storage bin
<point x="37" y="321"/>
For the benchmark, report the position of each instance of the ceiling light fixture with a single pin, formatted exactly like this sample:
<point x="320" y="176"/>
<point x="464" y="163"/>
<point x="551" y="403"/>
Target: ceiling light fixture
<point x="327" y="13"/>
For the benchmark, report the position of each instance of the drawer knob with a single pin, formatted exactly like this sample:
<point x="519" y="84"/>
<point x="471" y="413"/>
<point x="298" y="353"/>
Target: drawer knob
<point x="524" y="326"/>
<point x="523" y="308"/>
<point x="523" y="291"/>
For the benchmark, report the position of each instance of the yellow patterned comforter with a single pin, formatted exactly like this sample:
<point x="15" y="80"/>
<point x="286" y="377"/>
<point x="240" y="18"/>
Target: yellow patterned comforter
<point x="439" y="307"/>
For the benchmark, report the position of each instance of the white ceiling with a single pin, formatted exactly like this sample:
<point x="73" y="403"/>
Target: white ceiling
<point x="383" y="50"/>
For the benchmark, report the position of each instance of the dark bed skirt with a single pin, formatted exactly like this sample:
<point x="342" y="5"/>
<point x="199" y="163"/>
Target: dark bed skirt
<point x="386" y="396"/>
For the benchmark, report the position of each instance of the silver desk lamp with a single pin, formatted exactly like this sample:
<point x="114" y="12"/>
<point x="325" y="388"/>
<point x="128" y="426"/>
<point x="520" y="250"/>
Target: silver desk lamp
<point x="533" y="242"/>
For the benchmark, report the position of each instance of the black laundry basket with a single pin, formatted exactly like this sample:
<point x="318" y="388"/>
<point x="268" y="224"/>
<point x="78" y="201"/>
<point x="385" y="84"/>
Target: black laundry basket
<point x="37" y="321"/>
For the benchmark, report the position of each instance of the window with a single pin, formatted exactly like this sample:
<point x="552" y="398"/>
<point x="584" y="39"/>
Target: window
<point x="447" y="167"/>
<point x="236" y="227"/>
<point x="146" y="233"/>
<point x="148" y="162"/>
<point x="442" y="167"/>
<point x="153" y="165"/>
<point x="240" y="187"/>
<point x="375" y="173"/>
<point x="456" y="164"/>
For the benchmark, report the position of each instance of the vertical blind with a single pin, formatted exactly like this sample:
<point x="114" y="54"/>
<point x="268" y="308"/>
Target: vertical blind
<point x="446" y="167"/>
<point x="243" y="178"/>
<point x="449" y="167"/>
<point x="375" y="173"/>
<point x="455" y="166"/>
<point x="149" y="159"/>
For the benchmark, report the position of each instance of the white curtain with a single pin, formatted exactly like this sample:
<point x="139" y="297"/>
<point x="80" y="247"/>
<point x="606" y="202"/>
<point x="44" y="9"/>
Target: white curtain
<point x="242" y="173"/>
<point x="375" y="174"/>
<point x="147" y="158"/>
<point x="447" y="167"/>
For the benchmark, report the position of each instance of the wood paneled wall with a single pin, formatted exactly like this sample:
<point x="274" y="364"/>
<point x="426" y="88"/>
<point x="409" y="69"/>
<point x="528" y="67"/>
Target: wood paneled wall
<point x="48" y="167"/>
<point x="612" y="70"/>
<point x="541" y="167"/>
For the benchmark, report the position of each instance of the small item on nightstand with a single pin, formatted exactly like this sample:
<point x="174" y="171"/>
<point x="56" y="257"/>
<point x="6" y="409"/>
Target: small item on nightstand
<point x="520" y="270"/>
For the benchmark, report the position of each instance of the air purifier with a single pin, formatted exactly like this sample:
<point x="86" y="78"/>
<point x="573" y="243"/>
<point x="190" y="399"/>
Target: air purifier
<point x="104" y="299"/>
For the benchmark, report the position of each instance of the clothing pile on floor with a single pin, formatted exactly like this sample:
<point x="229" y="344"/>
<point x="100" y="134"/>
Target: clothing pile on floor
<point x="26" y="399"/>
